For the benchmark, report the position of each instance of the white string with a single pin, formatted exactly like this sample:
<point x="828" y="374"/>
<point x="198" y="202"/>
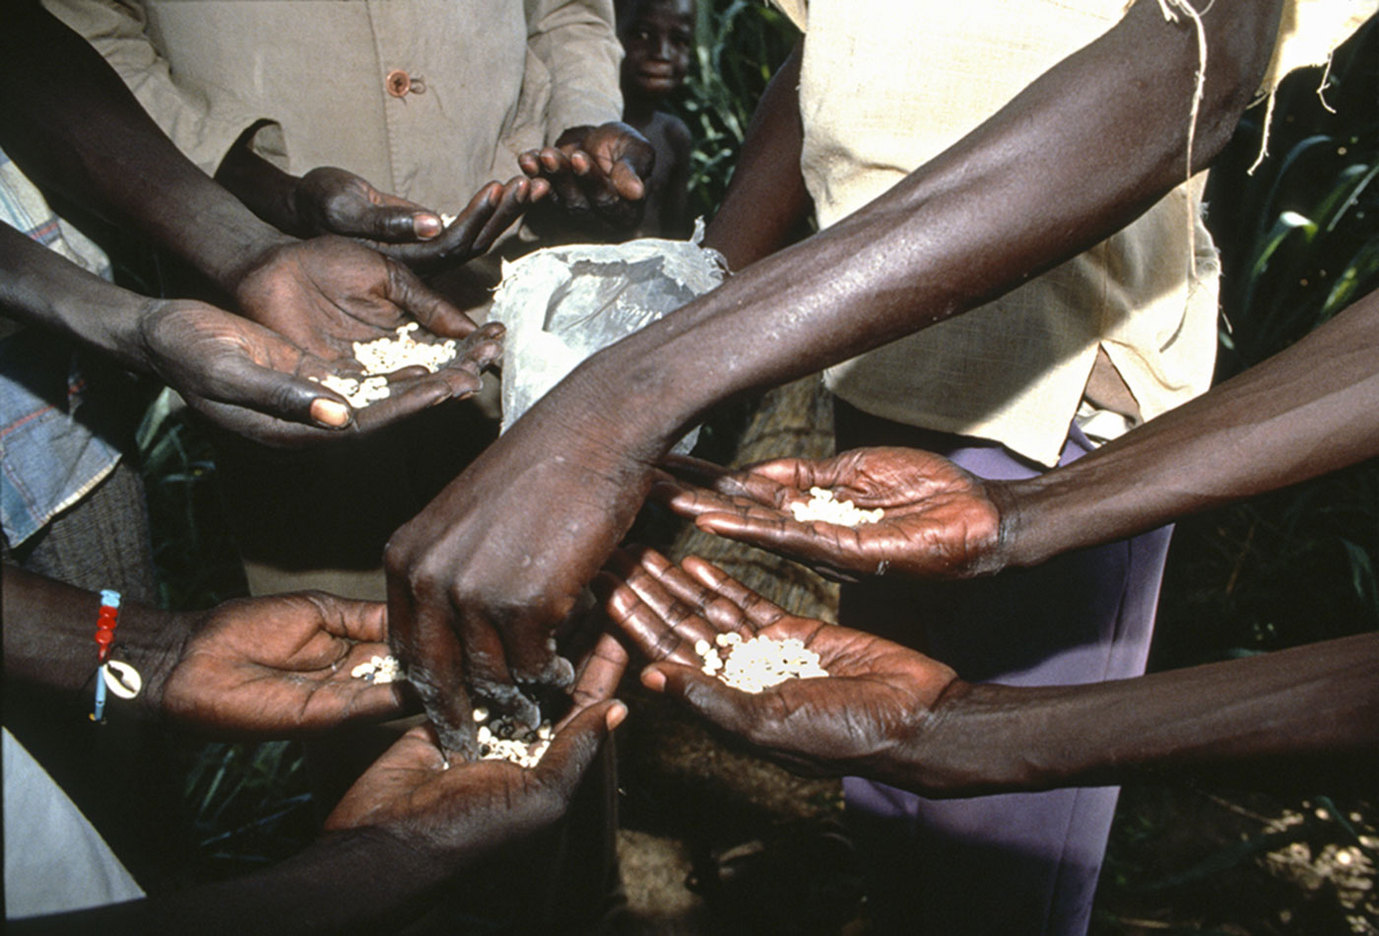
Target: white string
<point x="1198" y="93"/>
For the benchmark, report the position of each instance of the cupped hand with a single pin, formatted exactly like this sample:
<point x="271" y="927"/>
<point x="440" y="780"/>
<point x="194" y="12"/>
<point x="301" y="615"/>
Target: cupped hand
<point x="874" y="702"/>
<point x="480" y="580"/>
<point x="939" y="521"/>
<point x="325" y="293"/>
<point x="279" y="666"/>
<point x="462" y="808"/>
<point x="596" y="171"/>
<point x="257" y="384"/>
<point x="334" y="201"/>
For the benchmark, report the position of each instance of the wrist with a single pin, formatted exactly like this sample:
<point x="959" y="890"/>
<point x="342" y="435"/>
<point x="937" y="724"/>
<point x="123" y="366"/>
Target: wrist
<point x="150" y="641"/>
<point x="624" y="408"/>
<point x="1013" y="505"/>
<point x="1038" y="519"/>
<point x="39" y="287"/>
<point x="115" y="331"/>
<point x="974" y="740"/>
<point x="245" y="245"/>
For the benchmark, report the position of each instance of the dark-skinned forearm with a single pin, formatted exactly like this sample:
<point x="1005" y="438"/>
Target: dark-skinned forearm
<point x="41" y="288"/>
<point x="360" y="881"/>
<point x="80" y="132"/>
<point x="1309" y="410"/>
<point x="1321" y="699"/>
<point x="1077" y="155"/>
<point x="49" y="637"/>
<point x="766" y="198"/>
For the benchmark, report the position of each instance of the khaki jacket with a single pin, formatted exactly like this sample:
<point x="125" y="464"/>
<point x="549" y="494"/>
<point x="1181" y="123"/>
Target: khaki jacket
<point x="427" y="99"/>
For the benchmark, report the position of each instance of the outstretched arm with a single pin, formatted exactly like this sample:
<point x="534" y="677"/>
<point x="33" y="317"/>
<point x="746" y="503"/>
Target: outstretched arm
<point x="269" y="667"/>
<point x="1306" y="411"/>
<point x="501" y="554"/>
<point x="891" y="714"/>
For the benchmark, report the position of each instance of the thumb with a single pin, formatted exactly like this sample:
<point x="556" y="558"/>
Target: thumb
<point x="576" y="745"/>
<point x="283" y="396"/>
<point x="394" y="224"/>
<point x="705" y="695"/>
<point x="343" y="203"/>
<point x="627" y="182"/>
<point x="406" y="290"/>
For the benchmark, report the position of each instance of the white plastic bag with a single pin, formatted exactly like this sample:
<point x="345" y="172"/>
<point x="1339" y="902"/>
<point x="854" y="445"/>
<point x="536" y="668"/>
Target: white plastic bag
<point x="562" y="304"/>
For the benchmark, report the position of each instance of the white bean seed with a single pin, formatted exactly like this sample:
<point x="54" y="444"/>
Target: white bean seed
<point x="382" y="356"/>
<point x="759" y="663"/>
<point x="823" y="506"/>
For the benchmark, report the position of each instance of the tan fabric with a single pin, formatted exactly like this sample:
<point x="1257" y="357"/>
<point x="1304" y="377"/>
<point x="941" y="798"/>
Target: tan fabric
<point x="1310" y="31"/>
<point x="499" y="77"/>
<point x="1015" y="369"/>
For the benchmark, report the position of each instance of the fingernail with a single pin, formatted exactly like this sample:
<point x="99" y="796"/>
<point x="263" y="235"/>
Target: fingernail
<point x="427" y="225"/>
<point x="329" y="413"/>
<point x="616" y="713"/>
<point x="653" y="679"/>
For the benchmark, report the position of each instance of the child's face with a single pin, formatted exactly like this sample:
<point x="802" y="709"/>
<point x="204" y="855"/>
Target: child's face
<point x="657" y="38"/>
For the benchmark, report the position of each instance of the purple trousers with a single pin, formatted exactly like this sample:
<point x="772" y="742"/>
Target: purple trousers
<point x="1023" y="863"/>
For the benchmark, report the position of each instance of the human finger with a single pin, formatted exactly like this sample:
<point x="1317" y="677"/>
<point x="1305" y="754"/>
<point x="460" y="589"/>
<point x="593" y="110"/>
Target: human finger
<point x="563" y="173"/>
<point x="600" y="672"/>
<point x="829" y="549"/>
<point x="390" y="224"/>
<point x="709" y="697"/>
<point x="491" y="211"/>
<point x="720" y="610"/>
<point x="406" y="290"/>
<point x="337" y="201"/>
<point x="760" y="611"/>
<point x="574" y="747"/>
<point x="240" y="381"/>
<point x="489" y="669"/>
<point x="648" y="631"/>
<point x="363" y="621"/>
<point x="421" y="636"/>
<point x="413" y="220"/>
<point x="626" y="181"/>
<point x="403" y="400"/>
<point x="681" y="616"/>
<point x="728" y="482"/>
<point x="799" y="474"/>
<point x="511" y="202"/>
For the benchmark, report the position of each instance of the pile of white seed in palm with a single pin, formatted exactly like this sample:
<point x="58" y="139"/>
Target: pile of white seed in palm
<point x="382" y="356"/>
<point x="379" y="670"/>
<point x="759" y="663"/>
<point x="823" y="506"/>
<point x="510" y="740"/>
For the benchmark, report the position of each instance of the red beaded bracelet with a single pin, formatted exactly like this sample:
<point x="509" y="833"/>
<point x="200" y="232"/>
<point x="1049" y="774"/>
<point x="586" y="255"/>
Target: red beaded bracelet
<point x="107" y="619"/>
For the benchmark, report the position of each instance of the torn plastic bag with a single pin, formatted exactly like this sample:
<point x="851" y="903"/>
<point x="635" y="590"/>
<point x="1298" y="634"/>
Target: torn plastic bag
<point x="562" y="304"/>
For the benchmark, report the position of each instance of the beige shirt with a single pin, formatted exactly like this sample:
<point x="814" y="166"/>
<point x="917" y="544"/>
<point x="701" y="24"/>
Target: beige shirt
<point x="877" y="103"/>
<point x="485" y="79"/>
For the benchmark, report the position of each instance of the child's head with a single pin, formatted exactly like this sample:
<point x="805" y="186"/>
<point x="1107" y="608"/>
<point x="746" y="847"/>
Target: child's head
<point x="657" y="36"/>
